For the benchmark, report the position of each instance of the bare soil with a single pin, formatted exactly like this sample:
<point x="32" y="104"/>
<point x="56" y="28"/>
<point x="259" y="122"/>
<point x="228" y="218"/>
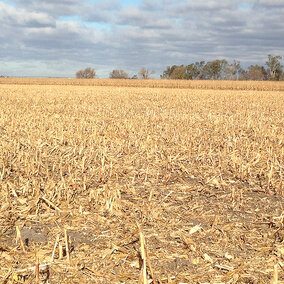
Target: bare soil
<point x="194" y="233"/>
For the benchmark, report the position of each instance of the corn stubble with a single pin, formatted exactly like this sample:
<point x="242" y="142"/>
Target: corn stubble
<point x="107" y="184"/>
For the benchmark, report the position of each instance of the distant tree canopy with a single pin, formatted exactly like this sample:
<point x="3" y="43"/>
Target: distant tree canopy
<point x="87" y="73"/>
<point x="218" y="69"/>
<point x="221" y="69"/>
<point x="255" y="73"/>
<point x="118" y="74"/>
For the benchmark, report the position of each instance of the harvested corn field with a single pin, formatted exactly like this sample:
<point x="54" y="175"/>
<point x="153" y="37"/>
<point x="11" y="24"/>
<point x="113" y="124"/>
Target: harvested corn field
<point x="105" y="184"/>
<point x="179" y="84"/>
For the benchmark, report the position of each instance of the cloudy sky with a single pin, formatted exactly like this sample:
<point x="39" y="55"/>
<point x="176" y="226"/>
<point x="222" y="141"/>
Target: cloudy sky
<point x="57" y="38"/>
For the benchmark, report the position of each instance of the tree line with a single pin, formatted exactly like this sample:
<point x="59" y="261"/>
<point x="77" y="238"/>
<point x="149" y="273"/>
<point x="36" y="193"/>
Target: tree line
<point x="89" y="73"/>
<point x="219" y="69"/>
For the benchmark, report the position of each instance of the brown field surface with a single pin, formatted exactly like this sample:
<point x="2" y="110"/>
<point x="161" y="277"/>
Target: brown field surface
<point x="116" y="184"/>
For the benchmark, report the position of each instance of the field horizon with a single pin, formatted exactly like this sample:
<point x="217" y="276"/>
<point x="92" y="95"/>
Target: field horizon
<point x="152" y="83"/>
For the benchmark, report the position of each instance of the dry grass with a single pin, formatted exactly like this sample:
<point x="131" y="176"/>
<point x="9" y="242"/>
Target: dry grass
<point x="102" y="184"/>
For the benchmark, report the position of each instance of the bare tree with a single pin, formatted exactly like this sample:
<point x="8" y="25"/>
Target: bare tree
<point x="87" y="73"/>
<point x="233" y="71"/>
<point x="275" y="69"/>
<point x="118" y="74"/>
<point x="145" y="73"/>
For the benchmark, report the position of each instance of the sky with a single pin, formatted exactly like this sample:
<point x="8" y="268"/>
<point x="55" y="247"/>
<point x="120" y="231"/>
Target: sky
<point x="51" y="38"/>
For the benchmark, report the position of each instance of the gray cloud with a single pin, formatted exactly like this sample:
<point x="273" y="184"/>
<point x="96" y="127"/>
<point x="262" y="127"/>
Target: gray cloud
<point x="12" y="16"/>
<point x="41" y="37"/>
<point x="53" y="7"/>
<point x="132" y="16"/>
<point x="97" y="10"/>
<point x="270" y="3"/>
